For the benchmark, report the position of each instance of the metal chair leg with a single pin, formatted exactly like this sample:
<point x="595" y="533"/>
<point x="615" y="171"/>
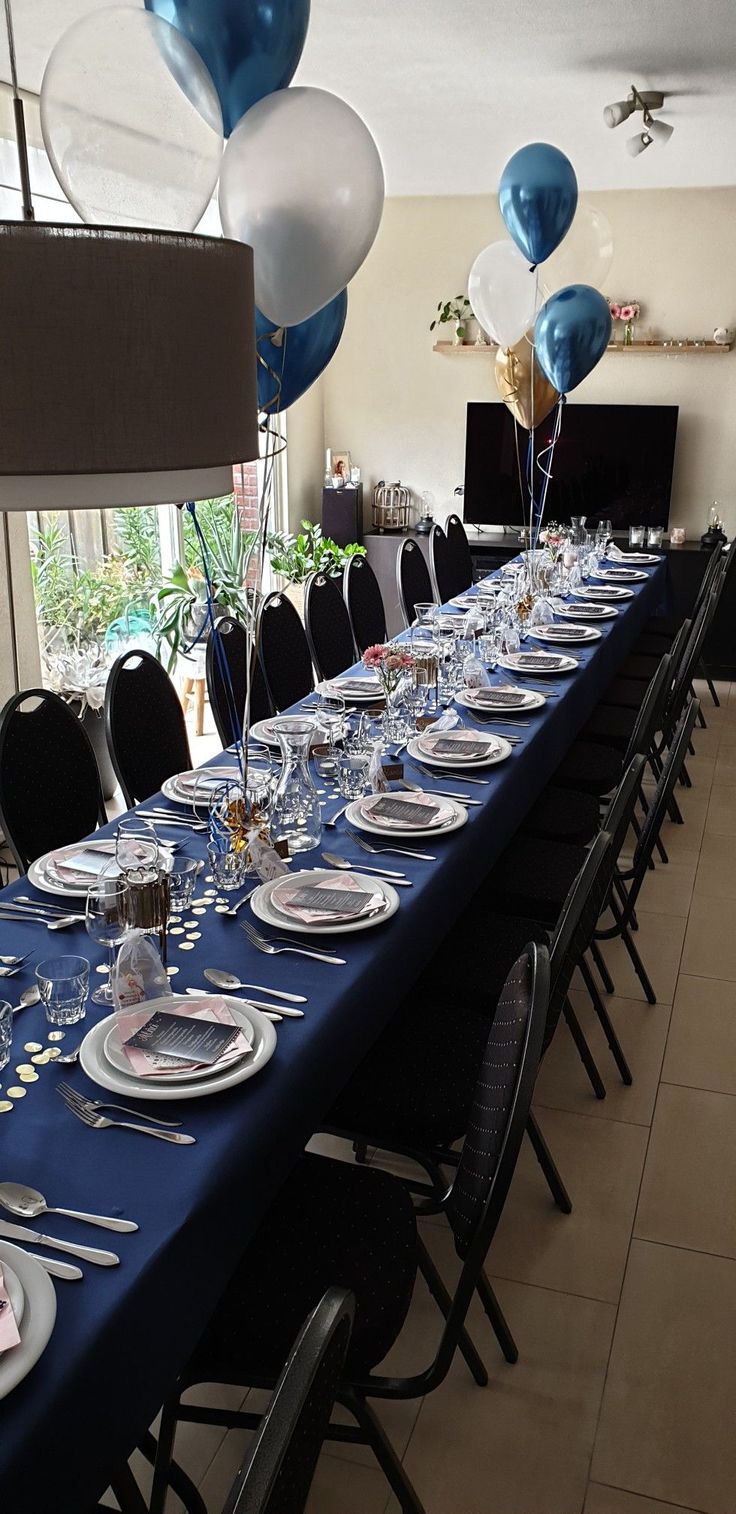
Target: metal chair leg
<point x="178" y="1480"/>
<point x="444" y="1304"/>
<point x="163" y="1458"/>
<point x="607" y="1024"/>
<point x="639" y="967"/>
<point x="600" y="963"/>
<point x="496" y="1316"/>
<point x="546" y="1161"/>
<point x="583" y="1049"/>
<point x="388" y="1461"/>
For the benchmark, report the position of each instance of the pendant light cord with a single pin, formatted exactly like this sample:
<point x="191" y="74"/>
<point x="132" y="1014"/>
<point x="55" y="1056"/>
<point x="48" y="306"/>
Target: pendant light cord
<point x="20" y="123"/>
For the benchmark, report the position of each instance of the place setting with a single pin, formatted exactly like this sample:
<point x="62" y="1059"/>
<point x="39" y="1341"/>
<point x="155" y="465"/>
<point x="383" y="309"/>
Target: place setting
<point x="504" y="700"/>
<point x="27" y="1314"/>
<point x="407" y="815"/>
<point x="537" y="663"/>
<point x="565" y="635"/>
<point x="590" y="611"/>
<point x="603" y="593"/>
<point x="317" y="902"/>
<point x="621" y="575"/>
<point x="459" y="749"/>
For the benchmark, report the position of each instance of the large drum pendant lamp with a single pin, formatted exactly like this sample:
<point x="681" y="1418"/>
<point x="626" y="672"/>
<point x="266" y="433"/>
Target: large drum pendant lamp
<point x="128" y="372"/>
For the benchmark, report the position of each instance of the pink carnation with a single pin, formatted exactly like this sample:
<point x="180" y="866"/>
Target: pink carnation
<point x="616" y="312"/>
<point x="627" y="312"/>
<point x="374" y="656"/>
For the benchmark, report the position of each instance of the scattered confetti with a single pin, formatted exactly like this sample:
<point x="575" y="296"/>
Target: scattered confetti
<point x="42" y="1059"/>
<point x="177" y="930"/>
<point x="53" y="1052"/>
<point x="102" y="970"/>
<point x="174" y="919"/>
<point x="33" y="1046"/>
<point x="17" y="1093"/>
<point x="29" y="1077"/>
<point x="5" y="1106"/>
<point x="23" y="1067"/>
<point x="199" y="912"/>
<point x="221" y="909"/>
<point x="171" y="972"/>
<point x="190" y="924"/>
<point x="56" y="1035"/>
<point x="194" y="935"/>
<point x="186" y="946"/>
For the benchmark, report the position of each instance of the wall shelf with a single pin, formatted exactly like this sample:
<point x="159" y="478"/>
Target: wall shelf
<point x="670" y="349"/>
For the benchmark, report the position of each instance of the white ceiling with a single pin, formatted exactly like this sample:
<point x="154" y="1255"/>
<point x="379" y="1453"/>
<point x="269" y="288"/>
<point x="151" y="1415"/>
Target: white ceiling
<point x="451" y="88"/>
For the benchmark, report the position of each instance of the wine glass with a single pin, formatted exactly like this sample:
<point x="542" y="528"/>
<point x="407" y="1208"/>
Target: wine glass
<point x="108" y="922"/>
<point x="331" y="718"/>
<point x="136" y="844"/>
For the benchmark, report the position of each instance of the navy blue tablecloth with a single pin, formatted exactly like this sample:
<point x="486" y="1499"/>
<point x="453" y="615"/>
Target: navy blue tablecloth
<point x="122" y="1334"/>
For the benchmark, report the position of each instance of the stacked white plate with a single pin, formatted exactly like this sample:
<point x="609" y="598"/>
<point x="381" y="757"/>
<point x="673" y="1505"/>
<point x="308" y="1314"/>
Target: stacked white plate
<point x="621" y="575"/>
<point x="33" y="1299"/>
<point x="104" y="1061"/>
<point x="270" y="902"/>
<point x="263" y="730"/>
<point x="488" y="750"/>
<point x="565" y="635"/>
<point x="49" y="874"/>
<point x="500" y="701"/>
<point x="579" y="612"/>
<point x="537" y="664"/>
<point x="630" y="558"/>
<point x="604" y="592"/>
<point x="356" y="688"/>
<point x="446" y="816"/>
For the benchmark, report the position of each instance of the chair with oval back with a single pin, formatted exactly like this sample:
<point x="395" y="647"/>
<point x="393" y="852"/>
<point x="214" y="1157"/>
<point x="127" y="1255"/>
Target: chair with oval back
<point x="284" y="652"/>
<point x="226" y="680"/>
<point x="50" y="792"/>
<point x="365" y="604"/>
<point x="440" y="565"/>
<point x="145" y="727"/>
<point x="413" y="583"/>
<point x="461" y="561"/>
<point x="327" y="625"/>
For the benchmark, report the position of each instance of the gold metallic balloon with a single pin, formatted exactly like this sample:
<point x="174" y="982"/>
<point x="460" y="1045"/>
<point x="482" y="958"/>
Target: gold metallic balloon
<point x="522" y="384"/>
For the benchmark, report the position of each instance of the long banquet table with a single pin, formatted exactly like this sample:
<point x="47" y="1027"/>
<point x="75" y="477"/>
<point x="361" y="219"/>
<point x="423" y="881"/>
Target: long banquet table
<point x="122" y="1333"/>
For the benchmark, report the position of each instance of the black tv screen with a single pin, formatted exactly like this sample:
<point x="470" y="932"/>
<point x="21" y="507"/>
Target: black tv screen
<point x="611" y="462"/>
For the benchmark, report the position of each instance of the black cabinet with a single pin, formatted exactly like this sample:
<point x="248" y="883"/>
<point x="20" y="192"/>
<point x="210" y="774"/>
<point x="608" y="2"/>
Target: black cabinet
<point x="342" y="514"/>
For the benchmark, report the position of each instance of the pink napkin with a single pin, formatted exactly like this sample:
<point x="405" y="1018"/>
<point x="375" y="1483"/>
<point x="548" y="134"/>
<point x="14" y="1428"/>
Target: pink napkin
<point x="347" y="883"/>
<point x="9" y="1333"/>
<point x="148" y="1065"/>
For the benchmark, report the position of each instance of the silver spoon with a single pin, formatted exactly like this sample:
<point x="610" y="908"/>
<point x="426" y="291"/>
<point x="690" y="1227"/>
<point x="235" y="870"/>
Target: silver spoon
<point x="233" y="910"/>
<point x="29" y="996"/>
<point x="270" y="1014"/>
<point x="398" y="880"/>
<point x="217" y="976"/>
<point x="27" y="1203"/>
<point x="230" y="983"/>
<point x="416" y="788"/>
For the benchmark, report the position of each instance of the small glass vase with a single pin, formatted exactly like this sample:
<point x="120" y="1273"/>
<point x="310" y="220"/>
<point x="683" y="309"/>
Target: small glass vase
<point x="296" y="816"/>
<point x="629" y="334"/>
<point x="394" y="719"/>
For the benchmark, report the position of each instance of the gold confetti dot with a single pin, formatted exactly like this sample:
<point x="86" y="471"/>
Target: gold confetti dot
<point x="171" y="972"/>
<point x="220" y="899"/>
<point x="29" y="1077"/>
<point x="190" y="924"/>
<point x="199" y="912"/>
<point x="177" y="930"/>
<point x="102" y="970"/>
<point x="210" y="893"/>
<point x="221" y="909"/>
<point x="209" y="878"/>
<point x="174" y="919"/>
<point x="5" y="1106"/>
<point x="17" y="1093"/>
<point x="56" y="1035"/>
<point x="33" y="1046"/>
<point x="52" y="1053"/>
<point x="194" y="935"/>
<point x="186" y="946"/>
<point x="42" y="1059"/>
<point x="23" y="1067"/>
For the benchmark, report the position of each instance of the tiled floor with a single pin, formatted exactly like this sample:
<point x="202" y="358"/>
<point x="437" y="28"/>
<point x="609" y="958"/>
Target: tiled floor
<point x="622" y="1399"/>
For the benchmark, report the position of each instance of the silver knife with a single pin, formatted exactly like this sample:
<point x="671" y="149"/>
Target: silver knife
<point x="85" y="1253"/>
<point x="67" y="1270"/>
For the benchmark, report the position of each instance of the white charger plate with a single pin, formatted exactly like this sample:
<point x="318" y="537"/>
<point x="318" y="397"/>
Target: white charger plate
<point x="117" y="1058"/>
<point x="445" y="760"/>
<point x="213" y="781"/>
<point x="39" y="877"/>
<point x="262" y="730"/>
<point x="566" y="636"/>
<point x="265" y="911"/>
<point x="579" y="612"/>
<point x="510" y="661"/>
<point x="39" y="1316"/>
<point x="605" y="592"/>
<point x="531" y="701"/>
<point x="14" y="1290"/>
<point x="357" y="817"/>
<point x="621" y="575"/>
<point x="633" y="557"/>
<point x="341" y="686"/>
<point x="101" y="1071"/>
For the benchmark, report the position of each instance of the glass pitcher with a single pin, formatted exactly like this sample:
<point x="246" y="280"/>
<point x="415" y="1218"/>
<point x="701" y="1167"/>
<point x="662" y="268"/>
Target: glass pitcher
<point x="577" y="523"/>
<point x="295" y="813"/>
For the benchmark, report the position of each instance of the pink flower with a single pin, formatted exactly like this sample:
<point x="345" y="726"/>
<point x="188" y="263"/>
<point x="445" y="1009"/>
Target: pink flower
<point x="616" y="312"/>
<point x="374" y="656"/>
<point x="627" y="312"/>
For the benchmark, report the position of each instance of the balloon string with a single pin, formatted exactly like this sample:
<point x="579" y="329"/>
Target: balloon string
<point x="214" y="632"/>
<point x="549" y="450"/>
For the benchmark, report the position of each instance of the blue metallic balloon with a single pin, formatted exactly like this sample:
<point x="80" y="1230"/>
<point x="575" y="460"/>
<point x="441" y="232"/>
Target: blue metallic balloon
<point x="571" y="334"/>
<point x="251" y="47"/>
<point x="537" y="197"/>
<point x="287" y="368"/>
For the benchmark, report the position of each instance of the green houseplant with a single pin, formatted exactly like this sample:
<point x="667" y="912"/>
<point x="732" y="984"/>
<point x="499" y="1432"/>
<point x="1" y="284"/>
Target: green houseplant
<point x="295" y="557"/>
<point x="456" y="312"/>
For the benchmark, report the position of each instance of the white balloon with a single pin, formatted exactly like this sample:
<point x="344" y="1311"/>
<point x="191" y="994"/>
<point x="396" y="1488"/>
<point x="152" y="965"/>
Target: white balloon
<point x="131" y="121"/>
<point x="584" y="255"/>
<point x="302" y="183"/>
<point x="502" y="292"/>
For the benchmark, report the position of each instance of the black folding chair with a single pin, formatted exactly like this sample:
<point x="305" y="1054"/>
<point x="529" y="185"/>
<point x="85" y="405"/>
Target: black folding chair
<point x="413" y="583"/>
<point x="284" y="652"/>
<point x="145" y="726"/>
<point x="50" y="792"/>
<point x="327" y="625"/>
<point x="333" y="1219"/>
<point x="226" y="666"/>
<point x="459" y="555"/>
<point x="440" y="566"/>
<point x="362" y="595"/>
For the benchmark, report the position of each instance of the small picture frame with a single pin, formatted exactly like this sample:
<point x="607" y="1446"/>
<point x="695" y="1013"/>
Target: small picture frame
<point x="341" y="465"/>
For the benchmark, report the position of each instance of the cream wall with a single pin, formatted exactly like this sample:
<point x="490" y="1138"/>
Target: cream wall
<point x="400" y="408"/>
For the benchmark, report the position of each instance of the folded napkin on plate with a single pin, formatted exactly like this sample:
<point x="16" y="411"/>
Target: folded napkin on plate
<point x="80" y="864"/>
<point x="352" y="685"/>
<point x="284" y="893"/>
<point x="146" y="1064"/>
<point x="446" y="722"/>
<point x="406" y="810"/>
<point x="9" y="1332"/>
<point x="202" y="780"/>
<point x="508" y="698"/>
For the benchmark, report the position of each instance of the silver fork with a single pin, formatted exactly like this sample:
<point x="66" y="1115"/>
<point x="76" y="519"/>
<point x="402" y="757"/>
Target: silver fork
<point x="99" y="1122"/>
<point x="396" y="851"/>
<point x="72" y="1096"/>
<point x="271" y="950"/>
<point x="438" y="774"/>
<point x="14" y="961"/>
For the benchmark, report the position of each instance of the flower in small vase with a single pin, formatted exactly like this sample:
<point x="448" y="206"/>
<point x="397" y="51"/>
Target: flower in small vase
<point x="390" y="663"/>
<point x="615" y="311"/>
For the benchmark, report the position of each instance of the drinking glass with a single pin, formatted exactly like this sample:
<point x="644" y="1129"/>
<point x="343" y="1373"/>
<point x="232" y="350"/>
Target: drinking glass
<point x="489" y="647"/>
<point x="603" y="532"/>
<point x="136" y="844"/>
<point x="259" y="784"/>
<point x="63" y="983"/>
<point x="636" y="536"/>
<point x="654" y="536"/>
<point x="6" y="1032"/>
<point x="228" y="868"/>
<point x="107" y="920"/>
<point x="182" y="879"/>
<point x="352" y="773"/>
<point x="295" y="814"/>
<point x="331" y="719"/>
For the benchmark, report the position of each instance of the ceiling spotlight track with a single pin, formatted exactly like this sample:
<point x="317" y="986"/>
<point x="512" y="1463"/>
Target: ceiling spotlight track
<point x="645" y="100"/>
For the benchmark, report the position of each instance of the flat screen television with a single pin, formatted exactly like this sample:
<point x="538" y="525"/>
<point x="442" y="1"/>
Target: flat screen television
<point x="611" y="462"/>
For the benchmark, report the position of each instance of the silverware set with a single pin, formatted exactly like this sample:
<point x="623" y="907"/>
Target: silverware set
<point x="416" y="788"/>
<point x="280" y="944"/>
<point x="87" y="1110"/>
<point x="184" y="822"/>
<point x="394" y="851"/>
<point x="437" y="775"/>
<point x="398" y="880"/>
<point x="27" y="1203"/>
<point x="50" y="915"/>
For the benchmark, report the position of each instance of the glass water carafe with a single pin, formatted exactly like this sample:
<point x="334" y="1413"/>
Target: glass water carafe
<point x="295" y="813"/>
<point x="577" y="523"/>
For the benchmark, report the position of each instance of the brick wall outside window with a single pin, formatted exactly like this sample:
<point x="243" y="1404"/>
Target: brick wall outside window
<point x="245" y="488"/>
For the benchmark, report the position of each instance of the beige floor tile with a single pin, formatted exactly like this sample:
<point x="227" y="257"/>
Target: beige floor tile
<point x="690" y="1173"/>
<point x="716" y="874"/>
<point x="707" y="743"/>
<point x="602" y="1500"/>
<point x="710" y="941"/>
<point x="659" y="942"/>
<point x="669" y="889"/>
<point x="693" y="804"/>
<point x="721" y="819"/>
<point x="701" y="1045"/>
<point x="339" y="1489"/>
<point x="642" y="1029"/>
<point x="725" y="770"/>
<point x="523" y="1443"/>
<point x="701" y="768"/>
<point x="601" y="1163"/>
<point x="666" y="1426"/>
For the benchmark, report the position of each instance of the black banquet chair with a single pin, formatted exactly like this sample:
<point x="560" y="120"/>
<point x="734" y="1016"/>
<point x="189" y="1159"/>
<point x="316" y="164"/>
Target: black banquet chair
<point x="362" y="596"/>
<point x="459" y="555"/>
<point x="284" y="652"/>
<point x="413" y="583"/>
<point x="327" y="625"/>
<point x="227" y="698"/>
<point x="145" y="727"/>
<point x="335" y="1219"/>
<point x="50" y="792"/>
<point x="440" y="566"/>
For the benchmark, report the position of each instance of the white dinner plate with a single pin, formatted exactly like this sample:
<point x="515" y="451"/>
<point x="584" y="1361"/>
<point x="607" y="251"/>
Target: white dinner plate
<point x="530" y="699"/>
<point x="633" y="558"/>
<point x="593" y="611"/>
<point x="39" y="1315"/>
<point x="260" y="903"/>
<point x="211" y="780"/>
<point x="501" y="750"/>
<point x="356" y="690"/>
<point x="543" y="667"/>
<point x="14" y="1290"/>
<point x="569" y="636"/>
<point x="604" y="592"/>
<point x="117" y="1058"/>
<point x="621" y="575"/>
<point x="359" y="818"/>
<point x="101" y="1071"/>
<point x="263" y="730"/>
<point x="38" y="873"/>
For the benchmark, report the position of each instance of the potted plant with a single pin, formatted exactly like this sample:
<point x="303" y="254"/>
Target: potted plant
<point x="295" y="557"/>
<point x="180" y="604"/>
<point x="457" y="312"/>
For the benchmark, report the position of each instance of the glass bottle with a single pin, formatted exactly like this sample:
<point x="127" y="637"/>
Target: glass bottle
<point x="295" y="813"/>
